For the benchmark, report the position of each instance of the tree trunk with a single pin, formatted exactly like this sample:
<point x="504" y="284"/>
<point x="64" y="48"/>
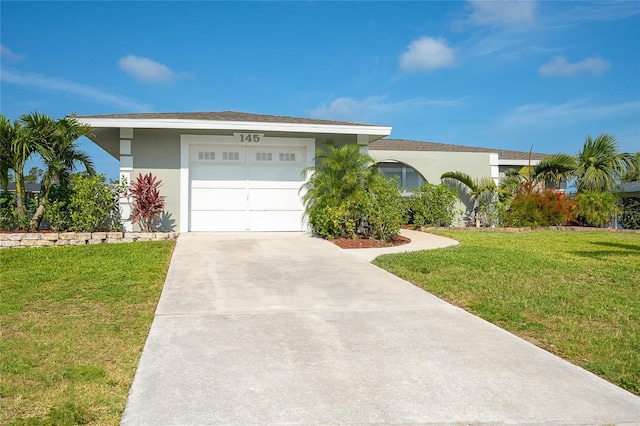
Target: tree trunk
<point x="20" y="197"/>
<point x="34" y="224"/>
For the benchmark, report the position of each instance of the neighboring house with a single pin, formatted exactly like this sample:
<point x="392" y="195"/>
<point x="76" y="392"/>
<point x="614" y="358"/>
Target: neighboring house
<point x="224" y="171"/>
<point x="630" y="189"/>
<point x="31" y="189"/>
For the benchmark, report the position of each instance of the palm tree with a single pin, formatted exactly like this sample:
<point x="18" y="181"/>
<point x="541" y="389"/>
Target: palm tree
<point x="633" y="173"/>
<point x="344" y="173"/>
<point x="476" y="189"/>
<point x="56" y="144"/>
<point x="17" y="146"/>
<point x="340" y="183"/>
<point x="599" y="165"/>
<point x="8" y="133"/>
<point x="552" y="168"/>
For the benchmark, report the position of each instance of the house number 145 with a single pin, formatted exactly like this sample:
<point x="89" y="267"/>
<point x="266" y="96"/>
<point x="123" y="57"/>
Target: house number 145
<point x="250" y="137"/>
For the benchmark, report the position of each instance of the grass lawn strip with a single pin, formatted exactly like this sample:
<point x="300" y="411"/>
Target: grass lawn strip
<point x="73" y="322"/>
<point x="574" y="294"/>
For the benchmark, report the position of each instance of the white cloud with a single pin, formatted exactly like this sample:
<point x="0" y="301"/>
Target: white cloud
<point x="6" y="53"/>
<point x="147" y="70"/>
<point x="502" y="12"/>
<point x="85" y="91"/>
<point x="569" y="112"/>
<point x="559" y="66"/>
<point x="350" y="109"/>
<point x="426" y="54"/>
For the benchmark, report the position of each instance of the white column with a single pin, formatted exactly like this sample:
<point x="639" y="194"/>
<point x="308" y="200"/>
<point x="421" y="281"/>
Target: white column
<point x="126" y="166"/>
<point x="363" y="143"/>
<point x="495" y="169"/>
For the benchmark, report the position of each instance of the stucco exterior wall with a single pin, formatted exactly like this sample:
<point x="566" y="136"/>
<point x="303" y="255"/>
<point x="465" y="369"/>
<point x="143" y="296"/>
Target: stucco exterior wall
<point x="432" y="164"/>
<point x="158" y="152"/>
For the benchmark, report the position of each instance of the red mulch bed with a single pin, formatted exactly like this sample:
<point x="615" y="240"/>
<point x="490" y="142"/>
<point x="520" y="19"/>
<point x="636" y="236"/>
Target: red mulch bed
<point x="353" y="243"/>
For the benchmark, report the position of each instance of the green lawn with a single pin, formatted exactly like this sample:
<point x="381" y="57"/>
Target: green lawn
<point x="576" y="294"/>
<point x="73" y="324"/>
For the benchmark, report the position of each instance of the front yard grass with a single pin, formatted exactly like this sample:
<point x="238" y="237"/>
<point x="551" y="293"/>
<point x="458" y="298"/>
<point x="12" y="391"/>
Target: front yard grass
<point x="73" y="323"/>
<point x="575" y="294"/>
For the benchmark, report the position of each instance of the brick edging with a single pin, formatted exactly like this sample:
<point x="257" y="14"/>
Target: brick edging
<point x="43" y="239"/>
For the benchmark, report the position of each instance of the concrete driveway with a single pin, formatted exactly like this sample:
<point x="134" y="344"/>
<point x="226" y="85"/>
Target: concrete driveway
<point x="289" y="329"/>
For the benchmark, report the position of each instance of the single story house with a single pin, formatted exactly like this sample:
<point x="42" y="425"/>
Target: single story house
<point x="233" y="171"/>
<point x="224" y="171"/>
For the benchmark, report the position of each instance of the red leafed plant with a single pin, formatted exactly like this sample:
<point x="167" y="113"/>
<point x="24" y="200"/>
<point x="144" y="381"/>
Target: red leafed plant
<point x="148" y="203"/>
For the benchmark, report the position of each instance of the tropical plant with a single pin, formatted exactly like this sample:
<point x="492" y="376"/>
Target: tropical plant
<point x="633" y="172"/>
<point x="477" y="189"/>
<point x="433" y="205"/>
<point x="16" y="146"/>
<point x="599" y="165"/>
<point x="56" y="144"/>
<point x="553" y="168"/>
<point x="596" y="208"/>
<point x="540" y="207"/>
<point x="346" y="197"/>
<point x="148" y="203"/>
<point x="337" y="190"/>
<point x="344" y="174"/>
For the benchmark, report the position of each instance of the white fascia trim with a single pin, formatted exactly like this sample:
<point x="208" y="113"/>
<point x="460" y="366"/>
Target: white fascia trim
<point x="505" y="162"/>
<point x="236" y="125"/>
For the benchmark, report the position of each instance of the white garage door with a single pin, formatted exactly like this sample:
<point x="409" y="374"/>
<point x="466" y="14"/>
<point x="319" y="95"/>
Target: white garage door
<point x="246" y="188"/>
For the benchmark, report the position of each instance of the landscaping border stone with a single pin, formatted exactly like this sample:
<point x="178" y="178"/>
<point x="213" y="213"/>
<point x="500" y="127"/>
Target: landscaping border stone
<point x="42" y="239"/>
<point x="528" y="229"/>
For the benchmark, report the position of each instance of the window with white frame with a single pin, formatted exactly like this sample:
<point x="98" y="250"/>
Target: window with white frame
<point x="408" y="177"/>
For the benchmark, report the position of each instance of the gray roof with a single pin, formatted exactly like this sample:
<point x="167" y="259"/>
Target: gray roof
<point x="226" y="116"/>
<point x="28" y="187"/>
<point x="407" y="145"/>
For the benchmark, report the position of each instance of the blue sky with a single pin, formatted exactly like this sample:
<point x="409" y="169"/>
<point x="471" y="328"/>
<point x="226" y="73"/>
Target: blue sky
<point x="496" y="74"/>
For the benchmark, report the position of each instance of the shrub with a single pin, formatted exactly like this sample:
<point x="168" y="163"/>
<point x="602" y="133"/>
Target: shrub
<point x="345" y="197"/>
<point x="91" y="205"/>
<point x="540" y="207"/>
<point x="8" y="212"/>
<point x="630" y="218"/>
<point x="595" y="208"/>
<point x="493" y="213"/>
<point x="148" y="204"/>
<point x="433" y="205"/>
<point x="87" y="205"/>
<point x="334" y="222"/>
<point x="57" y="216"/>
<point x="385" y="211"/>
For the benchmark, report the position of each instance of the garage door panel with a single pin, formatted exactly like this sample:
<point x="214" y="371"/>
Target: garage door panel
<point x="218" y="199"/>
<point x="217" y="172"/>
<point x="276" y="221"/>
<point x="265" y="184"/>
<point x="230" y="184"/>
<point x="219" y="221"/>
<point x="276" y="174"/>
<point x="274" y="199"/>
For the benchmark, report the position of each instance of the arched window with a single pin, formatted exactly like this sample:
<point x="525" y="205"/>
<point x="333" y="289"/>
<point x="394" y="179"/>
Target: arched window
<point x="408" y="177"/>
